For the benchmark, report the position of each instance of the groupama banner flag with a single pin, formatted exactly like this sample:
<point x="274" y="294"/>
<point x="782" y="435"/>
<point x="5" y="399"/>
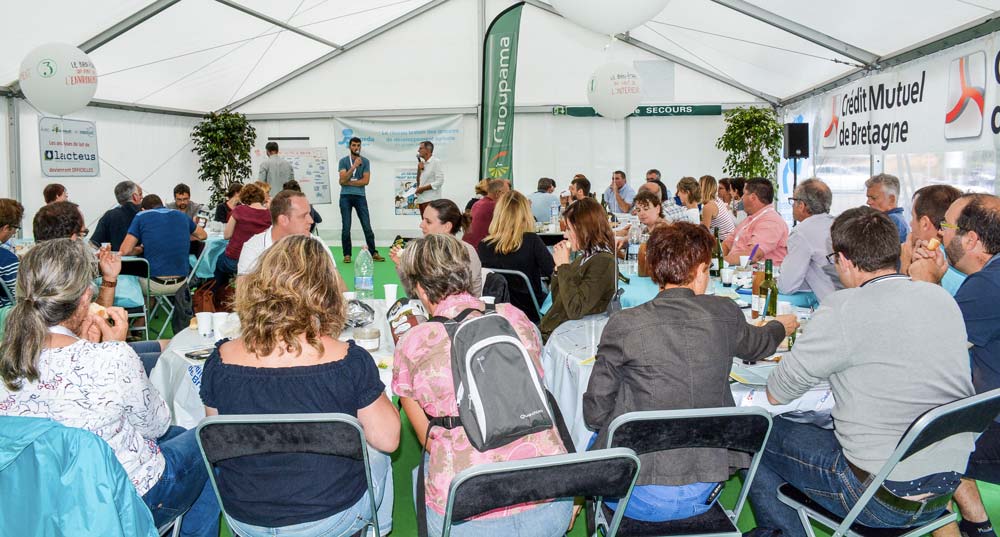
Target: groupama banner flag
<point x="499" y="77"/>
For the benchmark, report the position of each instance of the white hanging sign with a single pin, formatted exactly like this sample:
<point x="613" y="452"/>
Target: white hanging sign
<point x="68" y="147"/>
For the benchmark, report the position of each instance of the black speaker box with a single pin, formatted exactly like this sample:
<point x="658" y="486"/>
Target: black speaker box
<point x="796" y="140"/>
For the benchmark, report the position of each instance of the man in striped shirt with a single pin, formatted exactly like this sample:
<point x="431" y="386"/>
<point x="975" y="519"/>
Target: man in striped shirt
<point x="11" y="213"/>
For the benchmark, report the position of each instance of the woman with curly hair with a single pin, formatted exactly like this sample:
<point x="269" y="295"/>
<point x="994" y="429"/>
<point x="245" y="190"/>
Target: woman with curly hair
<point x="288" y="360"/>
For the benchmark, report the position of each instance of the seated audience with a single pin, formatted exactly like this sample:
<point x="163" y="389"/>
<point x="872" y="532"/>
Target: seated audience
<point x="182" y="201"/>
<point x="970" y="231"/>
<point x="266" y="188"/>
<point x="166" y="236"/>
<point x="620" y="194"/>
<point x="763" y="226"/>
<point x="653" y="176"/>
<point x="714" y="212"/>
<point x="667" y="210"/>
<point x="223" y="210"/>
<point x="513" y="245"/>
<point x="891" y="349"/>
<point x="585" y="286"/>
<point x="61" y="362"/>
<point x="579" y="188"/>
<point x="481" y="188"/>
<point x="248" y="218"/>
<point x="648" y="207"/>
<point x="738" y="187"/>
<point x="883" y="195"/>
<point x="806" y="268"/>
<point x="482" y="212"/>
<point x="928" y="208"/>
<point x="442" y="216"/>
<point x="689" y="193"/>
<point x="55" y="192"/>
<point x="675" y="352"/>
<point x="289" y="216"/>
<point x="726" y="193"/>
<point x="11" y="213"/>
<point x="288" y="360"/>
<point x="543" y="200"/>
<point x="436" y="269"/>
<point x="317" y="219"/>
<point x="113" y="226"/>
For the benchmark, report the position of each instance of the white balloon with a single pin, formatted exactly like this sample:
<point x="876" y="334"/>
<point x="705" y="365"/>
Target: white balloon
<point x="58" y="78"/>
<point x="615" y="90"/>
<point x="607" y="17"/>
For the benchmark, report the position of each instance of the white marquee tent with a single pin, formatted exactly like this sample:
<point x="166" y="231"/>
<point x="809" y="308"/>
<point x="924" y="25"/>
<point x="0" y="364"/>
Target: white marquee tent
<point x="300" y="69"/>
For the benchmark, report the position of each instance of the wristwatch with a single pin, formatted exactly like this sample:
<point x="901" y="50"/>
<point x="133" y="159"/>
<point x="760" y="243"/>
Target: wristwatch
<point x="109" y="284"/>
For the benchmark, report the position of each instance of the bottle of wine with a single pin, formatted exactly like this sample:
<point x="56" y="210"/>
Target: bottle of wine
<point x="769" y="291"/>
<point x="717" y="260"/>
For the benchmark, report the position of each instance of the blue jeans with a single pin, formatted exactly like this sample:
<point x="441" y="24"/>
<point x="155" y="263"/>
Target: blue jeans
<point x="547" y="520"/>
<point x="810" y="459"/>
<point x="184" y="486"/>
<point x="360" y="204"/>
<point x="347" y="522"/>
<point x="225" y="269"/>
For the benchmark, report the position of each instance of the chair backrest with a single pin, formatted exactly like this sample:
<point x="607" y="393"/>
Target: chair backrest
<point x="521" y="279"/>
<point x="226" y="437"/>
<point x="969" y="415"/>
<point x="740" y="429"/>
<point x="7" y="292"/>
<point x="136" y="266"/>
<point x="601" y="473"/>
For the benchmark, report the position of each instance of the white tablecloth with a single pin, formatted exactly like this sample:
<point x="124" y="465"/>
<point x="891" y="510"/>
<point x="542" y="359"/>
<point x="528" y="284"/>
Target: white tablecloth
<point x="178" y="379"/>
<point x="568" y="359"/>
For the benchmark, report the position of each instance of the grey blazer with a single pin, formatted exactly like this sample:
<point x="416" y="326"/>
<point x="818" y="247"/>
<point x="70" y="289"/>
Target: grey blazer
<point x="674" y="352"/>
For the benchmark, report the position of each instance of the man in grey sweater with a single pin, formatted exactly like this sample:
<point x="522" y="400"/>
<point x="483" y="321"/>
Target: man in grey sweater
<point x="891" y="349"/>
<point x="275" y="171"/>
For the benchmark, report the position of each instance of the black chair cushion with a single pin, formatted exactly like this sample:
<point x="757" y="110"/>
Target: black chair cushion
<point x="800" y="497"/>
<point x="224" y="441"/>
<point x="713" y="521"/>
<point x="740" y="433"/>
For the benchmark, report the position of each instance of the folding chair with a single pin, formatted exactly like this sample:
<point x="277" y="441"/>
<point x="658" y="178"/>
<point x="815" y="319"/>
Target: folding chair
<point x="522" y="277"/>
<point x="336" y="435"/>
<point x="138" y="266"/>
<point x="164" y="301"/>
<point x="606" y="472"/>
<point x="969" y="415"/>
<point x="7" y="292"/>
<point x="739" y="429"/>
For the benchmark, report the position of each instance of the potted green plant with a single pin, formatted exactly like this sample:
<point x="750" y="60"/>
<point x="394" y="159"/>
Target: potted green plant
<point x="752" y="142"/>
<point x="223" y="142"/>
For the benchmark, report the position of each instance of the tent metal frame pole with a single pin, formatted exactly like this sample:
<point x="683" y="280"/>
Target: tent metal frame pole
<point x="625" y="38"/>
<point x="257" y="14"/>
<point x="14" y="148"/>
<point x="819" y="38"/>
<point x="333" y="54"/>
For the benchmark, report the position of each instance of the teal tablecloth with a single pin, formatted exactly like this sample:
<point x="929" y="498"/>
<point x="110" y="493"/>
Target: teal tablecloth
<point x="214" y="246"/>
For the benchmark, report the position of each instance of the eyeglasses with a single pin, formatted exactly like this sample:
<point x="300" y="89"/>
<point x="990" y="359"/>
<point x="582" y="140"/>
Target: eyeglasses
<point x="832" y="258"/>
<point x="944" y="224"/>
<point x="791" y="201"/>
<point x="84" y="232"/>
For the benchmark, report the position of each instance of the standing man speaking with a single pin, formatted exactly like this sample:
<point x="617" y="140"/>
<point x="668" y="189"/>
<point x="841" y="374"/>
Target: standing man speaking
<point x="430" y="176"/>
<point x="355" y="173"/>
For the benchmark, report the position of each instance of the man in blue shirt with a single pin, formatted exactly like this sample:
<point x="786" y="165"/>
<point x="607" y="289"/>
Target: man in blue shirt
<point x="971" y="236"/>
<point x="543" y="200"/>
<point x="355" y="173"/>
<point x="619" y="195"/>
<point x="113" y="226"/>
<point x="11" y="213"/>
<point x="166" y="236"/>
<point x="928" y="208"/>
<point x="883" y="193"/>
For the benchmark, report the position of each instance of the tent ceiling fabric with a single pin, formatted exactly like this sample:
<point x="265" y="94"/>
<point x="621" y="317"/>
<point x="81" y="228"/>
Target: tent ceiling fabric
<point x="203" y="55"/>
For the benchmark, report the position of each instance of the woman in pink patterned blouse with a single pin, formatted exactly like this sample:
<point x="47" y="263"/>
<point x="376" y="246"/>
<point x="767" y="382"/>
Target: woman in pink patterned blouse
<point x="437" y="269"/>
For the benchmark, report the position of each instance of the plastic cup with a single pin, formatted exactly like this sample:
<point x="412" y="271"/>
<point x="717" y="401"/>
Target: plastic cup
<point x="219" y="323"/>
<point x="744" y="260"/>
<point x="204" y="323"/>
<point x="727" y="276"/>
<point x="784" y="308"/>
<point x="390" y="294"/>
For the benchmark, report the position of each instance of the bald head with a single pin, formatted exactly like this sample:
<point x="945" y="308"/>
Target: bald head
<point x="652" y="187"/>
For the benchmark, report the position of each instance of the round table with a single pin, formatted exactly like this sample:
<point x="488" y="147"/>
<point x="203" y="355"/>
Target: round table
<point x="178" y="378"/>
<point x="568" y="360"/>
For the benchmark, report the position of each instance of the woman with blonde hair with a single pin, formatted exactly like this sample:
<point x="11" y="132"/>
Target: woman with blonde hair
<point x="689" y="193"/>
<point x="513" y="245"/>
<point x="714" y="211"/>
<point x="58" y="360"/>
<point x="288" y="360"/>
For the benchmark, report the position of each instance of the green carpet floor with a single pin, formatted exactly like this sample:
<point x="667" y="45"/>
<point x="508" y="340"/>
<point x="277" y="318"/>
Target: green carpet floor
<point x="406" y="458"/>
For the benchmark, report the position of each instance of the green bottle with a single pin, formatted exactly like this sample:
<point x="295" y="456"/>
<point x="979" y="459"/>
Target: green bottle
<point x="769" y="291"/>
<point x="717" y="260"/>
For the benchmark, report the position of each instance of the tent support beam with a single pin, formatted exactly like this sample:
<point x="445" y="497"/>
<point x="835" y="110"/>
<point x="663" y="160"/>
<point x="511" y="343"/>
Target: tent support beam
<point x="802" y="31"/>
<point x="13" y="149"/>
<point x="625" y="38"/>
<point x="333" y="54"/>
<point x="257" y="14"/>
<point x="965" y="33"/>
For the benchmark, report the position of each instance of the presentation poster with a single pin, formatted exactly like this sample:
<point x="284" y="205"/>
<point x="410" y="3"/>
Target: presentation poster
<point x="68" y="147"/>
<point x="406" y="191"/>
<point x="312" y="170"/>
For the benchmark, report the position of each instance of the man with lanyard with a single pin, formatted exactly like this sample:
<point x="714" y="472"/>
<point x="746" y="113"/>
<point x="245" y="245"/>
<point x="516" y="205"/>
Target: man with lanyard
<point x="763" y="230"/>
<point x="970" y="232"/>
<point x="430" y="175"/>
<point x="355" y="174"/>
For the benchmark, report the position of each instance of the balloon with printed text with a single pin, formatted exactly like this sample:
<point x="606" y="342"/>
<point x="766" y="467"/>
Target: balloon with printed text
<point x="614" y="90"/>
<point x="58" y="78"/>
